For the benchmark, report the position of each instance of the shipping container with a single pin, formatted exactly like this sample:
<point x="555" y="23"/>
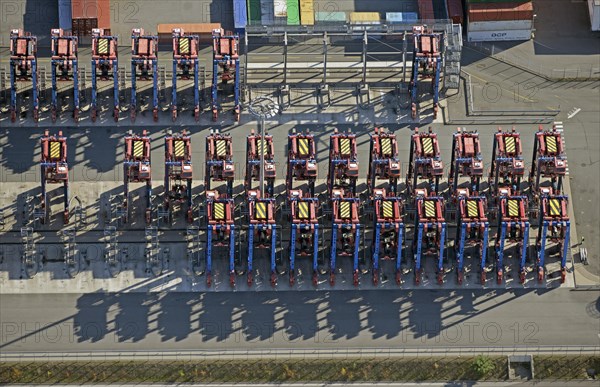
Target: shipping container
<point x="426" y="10"/>
<point x="495" y="36"/>
<point x="280" y="8"/>
<point x="401" y="17"/>
<point x="330" y="16"/>
<point x="455" y="11"/>
<point x="203" y="30"/>
<point x="594" y="8"/>
<point x="500" y="11"/>
<point x="254" y="12"/>
<point x="65" y="15"/>
<point x="240" y="16"/>
<point x="504" y="25"/>
<point x="293" y="13"/>
<point x="364" y="17"/>
<point x="92" y="9"/>
<point x="307" y="12"/>
<point x="267" y="12"/>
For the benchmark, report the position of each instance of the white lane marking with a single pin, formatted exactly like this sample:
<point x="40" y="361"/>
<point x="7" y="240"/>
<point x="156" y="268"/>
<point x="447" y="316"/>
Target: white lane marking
<point x="573" y="112"/>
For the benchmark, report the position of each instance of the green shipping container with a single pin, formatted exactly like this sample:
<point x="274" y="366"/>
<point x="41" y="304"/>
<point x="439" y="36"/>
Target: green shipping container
<point x="293" y="13"/>
<point x="254" y="12"/>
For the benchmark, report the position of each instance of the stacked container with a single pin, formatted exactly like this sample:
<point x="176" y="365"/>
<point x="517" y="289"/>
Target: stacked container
<point x="240" y="16"/>
<point x="426" y="10"/>
<point x="293" y="13"/>
<point x="490" y="20"/>
<point x="307" y="12"/>
<point x="254" y="17"/>
<point x="455" y="11"/>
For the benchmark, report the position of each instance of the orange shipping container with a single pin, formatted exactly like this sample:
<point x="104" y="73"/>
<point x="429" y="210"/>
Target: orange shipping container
<point x="92" y="9"/>
<point x="500" y="11"/>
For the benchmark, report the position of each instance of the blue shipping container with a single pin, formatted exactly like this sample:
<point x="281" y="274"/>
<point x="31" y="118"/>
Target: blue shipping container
<point x="240" y="15"/>
<point x="401" y="17"/>
<point x="65" y="15"/>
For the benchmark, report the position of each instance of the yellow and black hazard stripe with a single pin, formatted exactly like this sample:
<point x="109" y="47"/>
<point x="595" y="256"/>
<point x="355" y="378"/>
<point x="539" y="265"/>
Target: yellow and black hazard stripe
<point x="221" y="148"/>
<point x="555" y="207"/>
<point x="345" y="210"/>
<point x="513" y="208"/>
<point x="261" y="210"/>
<point x="510" y="145"/>
<point x="345" y="146"/>
<point x="429" y="208"/>
<point x="386" y="146"/>
<point x="219" y="211"/>
<point x="303" y="211"/>
<point x="261" y="146"/>
<point x="303" y="146"/>
<point x="103" y="46"/>
<point x="551" y="145"/>
<point x="427" y="143"/>
<point x="387" y="208"/>
<point x="472" y="209"/>
<point x="55" y="150"/>
<point x="184" y="46"/>
<point x="179" y="148"/>
<point x="138" y="149"/>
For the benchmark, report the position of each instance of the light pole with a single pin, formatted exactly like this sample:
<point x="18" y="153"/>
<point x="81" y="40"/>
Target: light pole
<point x="261" y="108"/>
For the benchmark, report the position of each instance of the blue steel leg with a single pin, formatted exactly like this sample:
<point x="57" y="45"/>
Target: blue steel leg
<point x="273" y="248"/>
<point x="376" y="246"/>
<point x="196" y="91"/>
<point x="133" y="88"/>
<point x="250" y="247"/>
<point x="356" y="247"/>
<point x="115" y="66"/>
<point x="563" y="259"/>
<point x="155" y="84"/>
<point x="419" y="247"/>
<point x="231" y="249"/>
<point x="484" y="248"/>
<point x="461" y="247"/>
<point x="399" y="247"/>
<point x="94" y="86"/>
<point x="334" y="229"/>
<point x="316" y="248"/>
<point x="75" y="88"/>
<point x="174" y="87"/>
<point x="236" y="86"/>
<point x="436" y="82"/>
<point x="13" y="88"/>
<point x="441" y="257"/>
<point x="34" y="81"/>
<point x="293" y="249"/>
<point x="209" y="231"/>
<point x="525" y="246"/>
<point x="215" y="81"/>
<point x="415" y="81"/>
<point x="500" y="252"/>
<point x="54" y="92"/>
<point x="542" y="252"/>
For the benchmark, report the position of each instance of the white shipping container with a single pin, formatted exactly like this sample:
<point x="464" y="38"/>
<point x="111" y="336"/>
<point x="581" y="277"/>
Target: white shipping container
<point x="494" y="36"/>
<point x="504" y="25"/>
<point x="594" y="8"/>
<point x="280" y="8"/>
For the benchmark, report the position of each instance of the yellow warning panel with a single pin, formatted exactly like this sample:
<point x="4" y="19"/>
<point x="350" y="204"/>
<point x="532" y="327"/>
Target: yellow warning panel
<point x="55" y="150"/>
<point x="429" y="208"/>
<point x="510" y="144"/>
<point x="513" y="208"/>
<point x="551" y="144"/>
<point x="427" y="143"/>
<point x="138" y="149"/>
<point x="221" y="148"/>
<point x="555" y="208"/>
<point x="345" y="210"/>
<point x="303" y="146"/>
<point x="103" y="46"/>
<point x="345" y="146"/>
<point x="472" y="209"/>
<point x="261" y="146"/>
<point x="303" y="210"/>
<point x="261" y="210"/>
<point x="387" y="208"/>
<point x="184" y="46"/>
<point x="219" y="211"/>
<point x="386" y="146"/>
<point x="179" y="148"/>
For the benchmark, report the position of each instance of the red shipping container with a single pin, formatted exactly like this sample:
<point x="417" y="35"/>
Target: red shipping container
<point x="455" y="11"/>
<point x="426" y="10"/>
<point x="500" y="11"/>
<point x="92" y="9"/>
